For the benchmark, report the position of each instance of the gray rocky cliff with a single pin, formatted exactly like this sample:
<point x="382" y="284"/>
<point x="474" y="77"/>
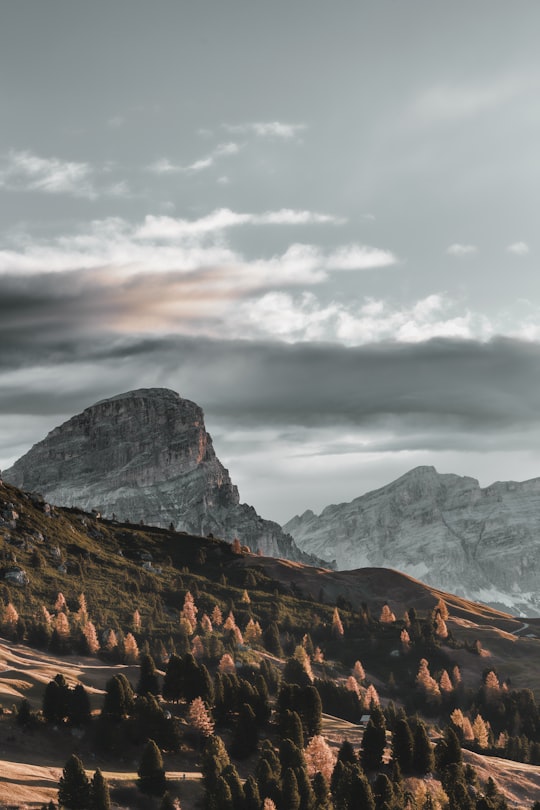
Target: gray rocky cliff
<point x="145" y="455"/>
<point x="483" y="544"/>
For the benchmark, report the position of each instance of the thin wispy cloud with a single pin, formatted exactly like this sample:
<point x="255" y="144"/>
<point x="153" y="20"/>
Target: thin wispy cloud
<point x="165" y="166"/>
<point x="519" y="249"/>
<point x="458" y="249"/>
<point x="25" y="171"/>
<point x="162" y="227"/>
<point x="267" y="129"/>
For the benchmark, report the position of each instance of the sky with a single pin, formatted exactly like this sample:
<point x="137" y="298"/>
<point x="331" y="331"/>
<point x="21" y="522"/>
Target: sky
<point x="319" y="221"/>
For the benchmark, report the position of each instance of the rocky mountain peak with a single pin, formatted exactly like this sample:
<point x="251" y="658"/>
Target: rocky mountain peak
<point x="481" y="543"/>
<point x="145" y="455"/>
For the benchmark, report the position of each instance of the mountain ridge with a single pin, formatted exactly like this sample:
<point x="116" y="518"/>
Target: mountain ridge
<point x="481" y="543"/>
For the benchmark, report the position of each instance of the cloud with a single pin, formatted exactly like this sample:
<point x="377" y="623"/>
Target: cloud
<point x="164" y="165"/>
<point x="267" y="129"/>
<point x="24" y="171"/>
<point x="279" y="315"/>
<point x="161" y="227"/>
<point x="458" y="249"/>
<point x="360" y="257"/>
<point x="518" y="249"/>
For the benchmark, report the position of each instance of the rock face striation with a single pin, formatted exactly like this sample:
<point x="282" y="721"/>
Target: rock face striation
<point x="483" y="544"/>
<point x="145" y="455"/>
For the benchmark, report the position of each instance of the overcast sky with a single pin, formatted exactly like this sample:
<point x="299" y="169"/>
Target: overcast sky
<point x="317" y="220"/>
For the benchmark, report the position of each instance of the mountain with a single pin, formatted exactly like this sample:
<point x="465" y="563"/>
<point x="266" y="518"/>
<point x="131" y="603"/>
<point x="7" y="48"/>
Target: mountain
<point x="145" y="456"/>
<point x="483" y="544"/>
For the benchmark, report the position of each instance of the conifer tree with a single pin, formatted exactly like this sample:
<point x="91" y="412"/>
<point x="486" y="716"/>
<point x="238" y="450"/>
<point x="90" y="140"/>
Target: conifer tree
<point x="290" y="793"/>
<point x="148" y="677"/>
<point x="358" y="672"/>
<point x="252" y="797"/>
<point x="118" y="700"/>
<point x="131" y="649"/>
<point x="423" y="757"/>
<point x="290" y="727"/>
<point x="374" y="740"/>
<point x="403" y="746"/>
<point x="337" y="625"/>
<point x="152" y="778"/>
<point x="214" y="760"/>
<point x="91" y="638"/>
<point x="272" y="641"/>
<point x="346" y="753"/>
<point x="244" y="741"/>
<point x="199" y="717"/>
<point x="74" y="787"/>
<point x="99" y="792"/>
<point x="79" y="706"/>
<point x="383" y="793"/>
<point x="360" y="793"/>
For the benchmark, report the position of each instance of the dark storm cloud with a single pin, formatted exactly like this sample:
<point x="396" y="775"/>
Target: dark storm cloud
<point x="466" y="386"/>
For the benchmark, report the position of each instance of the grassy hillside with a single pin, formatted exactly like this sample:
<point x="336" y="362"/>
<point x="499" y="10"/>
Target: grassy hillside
<point x="63" y="571"/>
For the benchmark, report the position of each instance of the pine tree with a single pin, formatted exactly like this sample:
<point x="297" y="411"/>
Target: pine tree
<point x="403" y="746"/>
<point x="252" y="797"/>
<point x="423" y="757"/>
<point x="24" y="715"/>
<point x="214" y="760"/>
<point x="374" y="740"/>
<point x="245" y="737"/>
<point x="152" y="778"/>
<point x="290" y="793"/>
<point x="272" y="641"/>
<point x="99" y="792"/>
<point x="383" y="792"/>
<point x="360" y="793"/>
<point x="148" y="677"/>
<point x="290" y="727"/>
<point x="74" y="787"/>
<point x="79" y="711"/>
<point x="118" y="700"/>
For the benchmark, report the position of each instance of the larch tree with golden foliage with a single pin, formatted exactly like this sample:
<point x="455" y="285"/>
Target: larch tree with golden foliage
<point x="199" y="717"/>
<point x="320" y="758"/>
<point x="337" y="625"/>
<point x="387" y="616"/>
<point x="131" y="649"/>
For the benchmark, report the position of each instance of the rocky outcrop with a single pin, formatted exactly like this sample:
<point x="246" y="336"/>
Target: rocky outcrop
<point x="145" y="455"/>
<point x="483" y="544"/>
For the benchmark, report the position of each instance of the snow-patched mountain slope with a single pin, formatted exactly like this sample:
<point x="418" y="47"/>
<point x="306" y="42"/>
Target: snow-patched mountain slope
<point x="445" y="529"/>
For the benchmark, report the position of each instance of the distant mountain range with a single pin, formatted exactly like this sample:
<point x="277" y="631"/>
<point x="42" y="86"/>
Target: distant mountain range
<point x="145" y="456"/>
<point x="482" y="544"/>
